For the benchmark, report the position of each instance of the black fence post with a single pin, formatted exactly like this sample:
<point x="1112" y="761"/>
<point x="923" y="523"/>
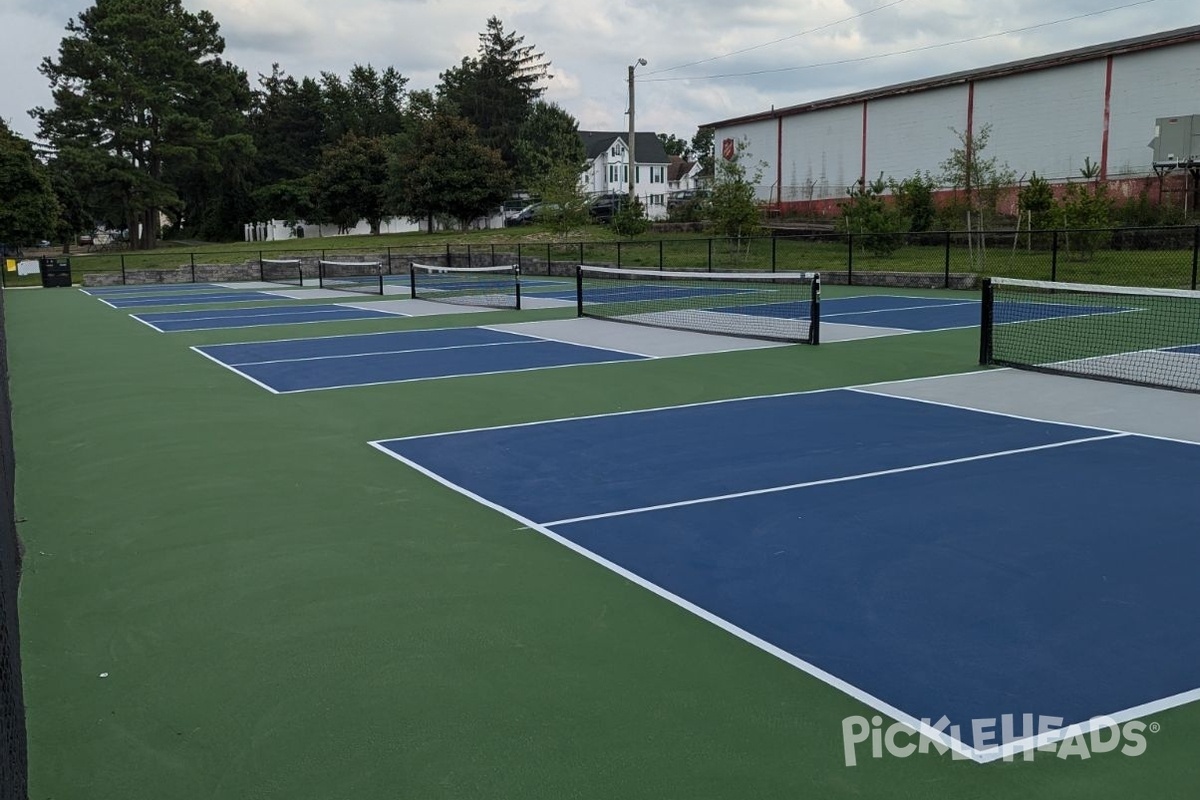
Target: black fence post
<point x="710" y="254"/>
<point x="449" y="257"/>
<point x="580" y="252"/>
<point x="618" y="255"/>
<point x="660" y="255"/>
<point x="262" y="272"/>
<point x="849" y="259"/>
<point x="1054" y="255"/>
<point x="1195" y="253"/>
<point x="192" y="262"/>
<point x="519" y="258"/>
<point x="123" y="280"/>
<point x="773" y="241"/>
<point x="947" y="259"/>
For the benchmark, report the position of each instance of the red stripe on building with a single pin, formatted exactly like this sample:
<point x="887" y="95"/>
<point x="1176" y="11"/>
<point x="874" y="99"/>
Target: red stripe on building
<point x="1108" y="70"/>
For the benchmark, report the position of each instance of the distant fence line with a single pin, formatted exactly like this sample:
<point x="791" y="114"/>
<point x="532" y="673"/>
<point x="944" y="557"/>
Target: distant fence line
<point x="1165" y="257"/>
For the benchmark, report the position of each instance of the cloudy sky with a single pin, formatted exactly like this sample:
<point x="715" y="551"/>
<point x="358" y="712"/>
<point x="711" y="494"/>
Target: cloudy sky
<point x="708" y="59"/>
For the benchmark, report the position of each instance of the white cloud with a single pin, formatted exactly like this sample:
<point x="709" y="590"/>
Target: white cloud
<point x="591" y="45"/>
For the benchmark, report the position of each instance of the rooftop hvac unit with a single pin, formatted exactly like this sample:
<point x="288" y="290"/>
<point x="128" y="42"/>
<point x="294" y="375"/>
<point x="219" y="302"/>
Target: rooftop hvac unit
<point x="1177" y="140"/>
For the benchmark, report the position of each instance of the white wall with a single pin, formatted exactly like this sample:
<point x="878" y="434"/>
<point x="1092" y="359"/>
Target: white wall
<point x="760" y="140"/>
<point x="822" y="153"/>
<point x="1146" y="86"/>
<point x="1046" y="121"/>
<point x="911" y="133"/>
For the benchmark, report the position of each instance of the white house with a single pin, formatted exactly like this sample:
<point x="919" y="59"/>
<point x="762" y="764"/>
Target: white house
<point x="683" y="175"/>
<point x="608" y="168"/>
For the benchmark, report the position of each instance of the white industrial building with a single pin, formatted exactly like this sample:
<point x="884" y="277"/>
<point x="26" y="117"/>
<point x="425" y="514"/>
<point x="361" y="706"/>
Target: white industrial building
<point x="1046" y="114"/>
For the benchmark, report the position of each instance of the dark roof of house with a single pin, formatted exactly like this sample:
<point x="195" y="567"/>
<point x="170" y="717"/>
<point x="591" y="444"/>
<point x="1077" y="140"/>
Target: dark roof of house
<point x="1120" y="47"/>
<point x="678" y="167"/>
<point x="649" y="146"/>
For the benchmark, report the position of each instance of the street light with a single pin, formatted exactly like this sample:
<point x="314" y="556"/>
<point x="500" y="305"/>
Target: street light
<point x="641" y="62"/>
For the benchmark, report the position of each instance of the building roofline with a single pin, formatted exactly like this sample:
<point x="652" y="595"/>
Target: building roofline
<point x="1121" y="47"/>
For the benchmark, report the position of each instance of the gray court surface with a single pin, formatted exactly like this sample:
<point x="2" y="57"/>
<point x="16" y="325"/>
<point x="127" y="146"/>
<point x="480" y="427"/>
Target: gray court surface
<point x="1056" y="398"/>
<point x="414" y="308"/>
<point x="637" y="339"/>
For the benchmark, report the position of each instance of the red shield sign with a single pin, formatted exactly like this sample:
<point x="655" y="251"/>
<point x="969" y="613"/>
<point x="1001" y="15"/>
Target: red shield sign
<point x="727" y="149"/>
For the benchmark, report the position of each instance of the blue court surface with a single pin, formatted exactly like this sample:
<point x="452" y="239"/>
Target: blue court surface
<point x="149" y="288"/>
<point x="900" y="312"/>
<point x="255" y="316"/>
<point x="335" y="362"/>
<point x="189" y="298"/>
<point x="929" y="560"/>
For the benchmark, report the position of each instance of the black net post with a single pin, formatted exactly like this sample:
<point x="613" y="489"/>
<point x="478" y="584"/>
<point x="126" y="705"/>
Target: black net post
<point x="579" y="290"/>
<point x="517" y="286"/>
<point x="985" y="323"/>
<point x="849" y="259"/>
<point x="412" y="280"/>
<point x="814" y="330"/>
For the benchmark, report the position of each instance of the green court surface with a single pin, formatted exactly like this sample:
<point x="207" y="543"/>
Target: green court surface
<point x="229" y="594"/>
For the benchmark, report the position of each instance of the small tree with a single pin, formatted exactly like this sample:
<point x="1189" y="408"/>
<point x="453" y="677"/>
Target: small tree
<point x="733" y="209"/>
<point x="982" y="181"/>
<point x="564" y="205"/>
<point x="630" y="219"/>
<point x="1086" y="211"/>
<point x="1036" y="199"/>
<point x="914" y="200"/>
<point x="876" y="222"/>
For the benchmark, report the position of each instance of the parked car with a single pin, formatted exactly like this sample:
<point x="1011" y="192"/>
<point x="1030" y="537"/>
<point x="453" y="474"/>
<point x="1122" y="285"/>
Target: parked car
<point x="602" y="207"/>
<point x="685" y="196"/>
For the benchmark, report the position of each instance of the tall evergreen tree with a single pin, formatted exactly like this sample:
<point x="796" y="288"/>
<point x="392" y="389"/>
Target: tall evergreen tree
<point x="495" y="90"/>
<point x="132" y="86"/>
<point x="289" y="133"/>
<point x="367" y="103"/>
<point x="546" y="140"/>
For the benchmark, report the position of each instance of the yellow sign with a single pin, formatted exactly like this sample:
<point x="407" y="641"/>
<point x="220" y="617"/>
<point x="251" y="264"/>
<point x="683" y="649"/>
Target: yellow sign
<point x="10" y="264"/>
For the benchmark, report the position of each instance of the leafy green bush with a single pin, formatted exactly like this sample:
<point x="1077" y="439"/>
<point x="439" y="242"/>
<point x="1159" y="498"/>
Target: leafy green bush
<point x="1084" y="209"/>
<point x="1036" y="198"/>
<point x="914" y="200"/>
<point x="630" y="219"/>
<point x="867" y="212"/>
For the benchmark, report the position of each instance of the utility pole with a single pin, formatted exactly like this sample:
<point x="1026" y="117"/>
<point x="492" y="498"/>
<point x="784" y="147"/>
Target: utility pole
<point x="632" y="135"/>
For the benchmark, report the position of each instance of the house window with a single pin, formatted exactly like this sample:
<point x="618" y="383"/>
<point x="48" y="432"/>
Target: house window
<point x="612" y="173"/>
<point x="656" y="199"/>
<point x="658" y="174"/>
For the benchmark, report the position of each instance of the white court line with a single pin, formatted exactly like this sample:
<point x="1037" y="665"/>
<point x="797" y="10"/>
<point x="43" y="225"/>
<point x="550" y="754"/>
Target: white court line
<point x="825" y="314"/>
<point x="236" y="371"/>
<point x="380" y="353"/>
<point x="827" y="481"/>
<point x="540" y="337"/>
<point x="866" y="389"/>
<point x="697" y="404"/>
<point x="351" y="335"/>
<point x="183" y="316"/>
<point x="455" y="375"/>
<point x="150" y="325"/>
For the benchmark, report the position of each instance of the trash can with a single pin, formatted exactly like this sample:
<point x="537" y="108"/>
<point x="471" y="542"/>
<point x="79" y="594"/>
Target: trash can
<point x="55" y="271"/>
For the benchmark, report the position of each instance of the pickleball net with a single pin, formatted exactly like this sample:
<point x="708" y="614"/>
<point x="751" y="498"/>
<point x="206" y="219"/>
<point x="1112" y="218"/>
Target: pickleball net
<point x="781" y="306"/>
<point x="286" y="271"/>
<point x="1147" y="337"/>
<point x="364" y="277"/>
<point x="488" y="287"/>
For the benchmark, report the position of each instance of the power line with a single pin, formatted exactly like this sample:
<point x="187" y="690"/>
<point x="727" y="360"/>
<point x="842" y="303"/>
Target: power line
<point x="909" y="51"/>
<point x="777" y="41"/>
